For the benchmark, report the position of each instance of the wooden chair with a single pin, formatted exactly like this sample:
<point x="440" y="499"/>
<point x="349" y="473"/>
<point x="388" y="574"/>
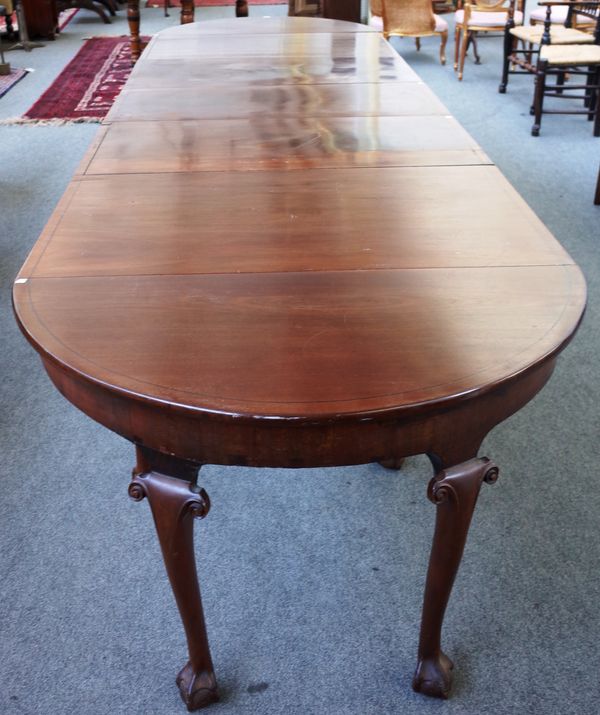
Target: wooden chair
<point x="409" y="18"/>
<point x="581" y="60"/>
<point x="522" y="43"/>
<point x="477" y="16"/>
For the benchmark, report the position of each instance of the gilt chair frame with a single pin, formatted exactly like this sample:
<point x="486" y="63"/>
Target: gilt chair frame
<point x="464" y="35"/>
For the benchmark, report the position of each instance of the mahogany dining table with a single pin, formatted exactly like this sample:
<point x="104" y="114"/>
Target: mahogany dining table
<point x="281" y="251"/>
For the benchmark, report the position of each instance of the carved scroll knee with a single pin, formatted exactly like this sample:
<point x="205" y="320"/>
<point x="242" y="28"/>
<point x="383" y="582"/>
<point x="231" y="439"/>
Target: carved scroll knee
<point x="175" y="503"/>
<point x="454" y="491"/>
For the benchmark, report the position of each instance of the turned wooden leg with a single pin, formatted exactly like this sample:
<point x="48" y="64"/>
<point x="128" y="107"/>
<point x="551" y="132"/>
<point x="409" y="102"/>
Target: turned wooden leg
<point x="510" y="47"/>
<point x="457" y="36"/>
<point x="538" y="97"/>
<point x="454" y="491"/>
<point x="463" y="51"/>
<point x="187" y="11"/>
<point x="133" y="18"/>
<point x="169" y="485"/>
<point x="443" y="41"/>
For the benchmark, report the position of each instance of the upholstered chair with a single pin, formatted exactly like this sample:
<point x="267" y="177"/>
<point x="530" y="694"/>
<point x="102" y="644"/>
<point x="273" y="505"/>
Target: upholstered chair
<point x="476" y="17"/>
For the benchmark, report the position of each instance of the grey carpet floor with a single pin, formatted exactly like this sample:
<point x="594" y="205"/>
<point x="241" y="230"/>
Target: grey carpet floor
<point x="312" y="579"/>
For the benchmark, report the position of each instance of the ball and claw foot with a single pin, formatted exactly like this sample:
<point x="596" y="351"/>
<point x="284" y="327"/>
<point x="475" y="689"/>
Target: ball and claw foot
<point x="433" y="676"/>
<point x="197" y="689"/>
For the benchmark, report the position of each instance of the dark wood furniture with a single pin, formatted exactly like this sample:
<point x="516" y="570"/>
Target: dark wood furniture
<point x="41" y="17"/>
<point x="312" y="265"/>
<point x="522" y="43"/>
<point x="349" y="10"/>
<point x="578" y="61"/>
<point x="304" y="8"/>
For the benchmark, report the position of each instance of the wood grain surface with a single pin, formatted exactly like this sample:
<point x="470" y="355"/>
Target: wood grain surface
<point x="292" y="250"/>
<point x="188" y="73"/>
<point x="260" y="143"/>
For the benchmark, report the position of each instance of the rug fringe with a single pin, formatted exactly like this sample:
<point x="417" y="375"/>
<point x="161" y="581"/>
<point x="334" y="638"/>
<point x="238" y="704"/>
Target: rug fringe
<point x="49" y="122"/>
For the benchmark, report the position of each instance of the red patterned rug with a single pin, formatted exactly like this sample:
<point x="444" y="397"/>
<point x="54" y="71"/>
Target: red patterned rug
<point x="86" y="89"/>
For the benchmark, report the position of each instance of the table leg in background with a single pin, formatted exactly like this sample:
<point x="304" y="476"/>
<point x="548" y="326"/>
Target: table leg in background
<point x="187" y="11"/>
<point x="133" y="18"/>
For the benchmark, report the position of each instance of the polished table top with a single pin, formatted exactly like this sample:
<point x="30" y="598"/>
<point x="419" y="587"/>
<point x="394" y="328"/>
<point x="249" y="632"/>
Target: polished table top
<point x="282" y="251"/>
<point x="275" y="242"/>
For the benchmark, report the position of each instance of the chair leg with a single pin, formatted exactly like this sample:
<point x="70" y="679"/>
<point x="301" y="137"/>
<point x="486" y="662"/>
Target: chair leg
<point x="509" y="46"/>
<point x="456" y="47"/>
<point x="463" y="52"/>
<point x="418" y="43"/>
<point x="538" y="97"/>
<point x="560" y="82"/>
<point x="595" y="101"/>
<point x="597" y="196"/>
<point x="591" y="92"/>
<point x="444" y="40"/>
<point x="473" y="41"/>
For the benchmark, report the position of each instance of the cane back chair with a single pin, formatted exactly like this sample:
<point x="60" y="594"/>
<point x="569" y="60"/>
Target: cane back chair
<point x="409" y="18"/>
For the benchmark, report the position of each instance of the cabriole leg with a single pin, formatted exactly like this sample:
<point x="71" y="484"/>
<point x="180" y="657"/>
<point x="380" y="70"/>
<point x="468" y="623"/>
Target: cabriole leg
<point x="454" y="491"/>
<point x="176" y="501"/>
